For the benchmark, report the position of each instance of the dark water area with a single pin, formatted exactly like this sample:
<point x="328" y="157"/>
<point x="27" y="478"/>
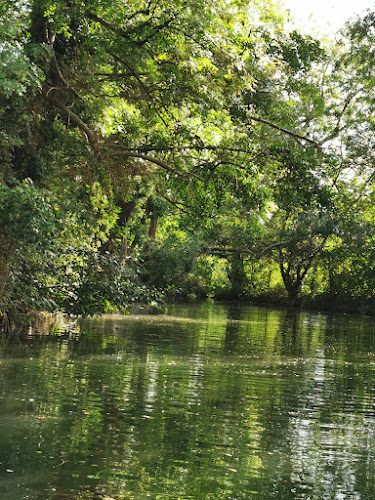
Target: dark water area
<point x="205" y="402"/>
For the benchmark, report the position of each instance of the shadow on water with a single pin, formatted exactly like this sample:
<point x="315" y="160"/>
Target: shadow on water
<point x="205" y="402"/>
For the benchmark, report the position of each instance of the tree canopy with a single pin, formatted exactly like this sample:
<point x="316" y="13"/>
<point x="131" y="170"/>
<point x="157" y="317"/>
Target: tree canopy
<point x="153" y="149"/>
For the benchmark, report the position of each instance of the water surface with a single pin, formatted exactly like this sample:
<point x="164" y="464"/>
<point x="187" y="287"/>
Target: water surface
<point x="205" y="402"/>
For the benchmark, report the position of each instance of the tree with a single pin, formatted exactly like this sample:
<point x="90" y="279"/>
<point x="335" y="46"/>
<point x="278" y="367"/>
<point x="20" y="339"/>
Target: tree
<point x="98" y="100"/>
<point x="208" y="118"/>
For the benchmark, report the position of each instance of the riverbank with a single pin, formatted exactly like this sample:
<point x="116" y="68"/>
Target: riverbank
<point x="44" y="322"/>
<point x="326" y="304"/>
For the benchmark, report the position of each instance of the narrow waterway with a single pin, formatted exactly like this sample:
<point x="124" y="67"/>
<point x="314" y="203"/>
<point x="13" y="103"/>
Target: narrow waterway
<point x="205" y="402"/>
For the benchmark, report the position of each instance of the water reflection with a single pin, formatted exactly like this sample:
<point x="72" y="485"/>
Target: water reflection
<point x="206" y="402"/>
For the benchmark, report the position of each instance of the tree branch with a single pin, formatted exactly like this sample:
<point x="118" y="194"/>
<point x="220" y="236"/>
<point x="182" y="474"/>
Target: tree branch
<point x="273" y="245"/>
<point x="340" y="116"/>
<point x="92" y="136"/>
<point x="146" y="149"/>
<point x="285" y="131"/>
<point x="160" y="163"/>
<point x="229" y="250"/>
<point x="125" y="34"/>
<point x="108" y="25"/>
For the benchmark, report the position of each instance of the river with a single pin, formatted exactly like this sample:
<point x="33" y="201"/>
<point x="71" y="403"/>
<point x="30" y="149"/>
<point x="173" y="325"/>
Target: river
<point x="205" y="402"/>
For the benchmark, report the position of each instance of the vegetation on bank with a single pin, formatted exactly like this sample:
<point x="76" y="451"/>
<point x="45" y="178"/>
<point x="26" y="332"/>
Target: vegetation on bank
<point x="152" y="150"/>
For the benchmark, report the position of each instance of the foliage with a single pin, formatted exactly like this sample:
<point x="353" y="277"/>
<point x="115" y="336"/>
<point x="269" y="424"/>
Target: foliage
<point x="172" y="258"/>
<point x="26" y="216"/>
<point x="209" y="277"/>
<point x="180" y="147"/>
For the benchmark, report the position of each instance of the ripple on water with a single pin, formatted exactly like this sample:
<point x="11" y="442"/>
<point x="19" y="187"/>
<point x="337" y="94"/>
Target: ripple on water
<point x="217" y="403"/>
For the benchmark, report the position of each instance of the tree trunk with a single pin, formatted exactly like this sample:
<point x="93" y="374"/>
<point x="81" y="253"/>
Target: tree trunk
<point x="292" y="279"/>
<point x="4" y="276"/>
<point x="152" y="227"/>
<point x="237" y="275"/>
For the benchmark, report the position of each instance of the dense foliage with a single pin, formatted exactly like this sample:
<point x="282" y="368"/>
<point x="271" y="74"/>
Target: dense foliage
<point x="150" y="150"/>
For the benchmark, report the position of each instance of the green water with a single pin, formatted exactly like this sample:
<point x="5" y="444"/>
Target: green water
<point x="205" y="402"/>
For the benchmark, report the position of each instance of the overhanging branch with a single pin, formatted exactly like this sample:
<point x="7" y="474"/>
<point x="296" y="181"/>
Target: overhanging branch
<point x="285" y="131"/>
